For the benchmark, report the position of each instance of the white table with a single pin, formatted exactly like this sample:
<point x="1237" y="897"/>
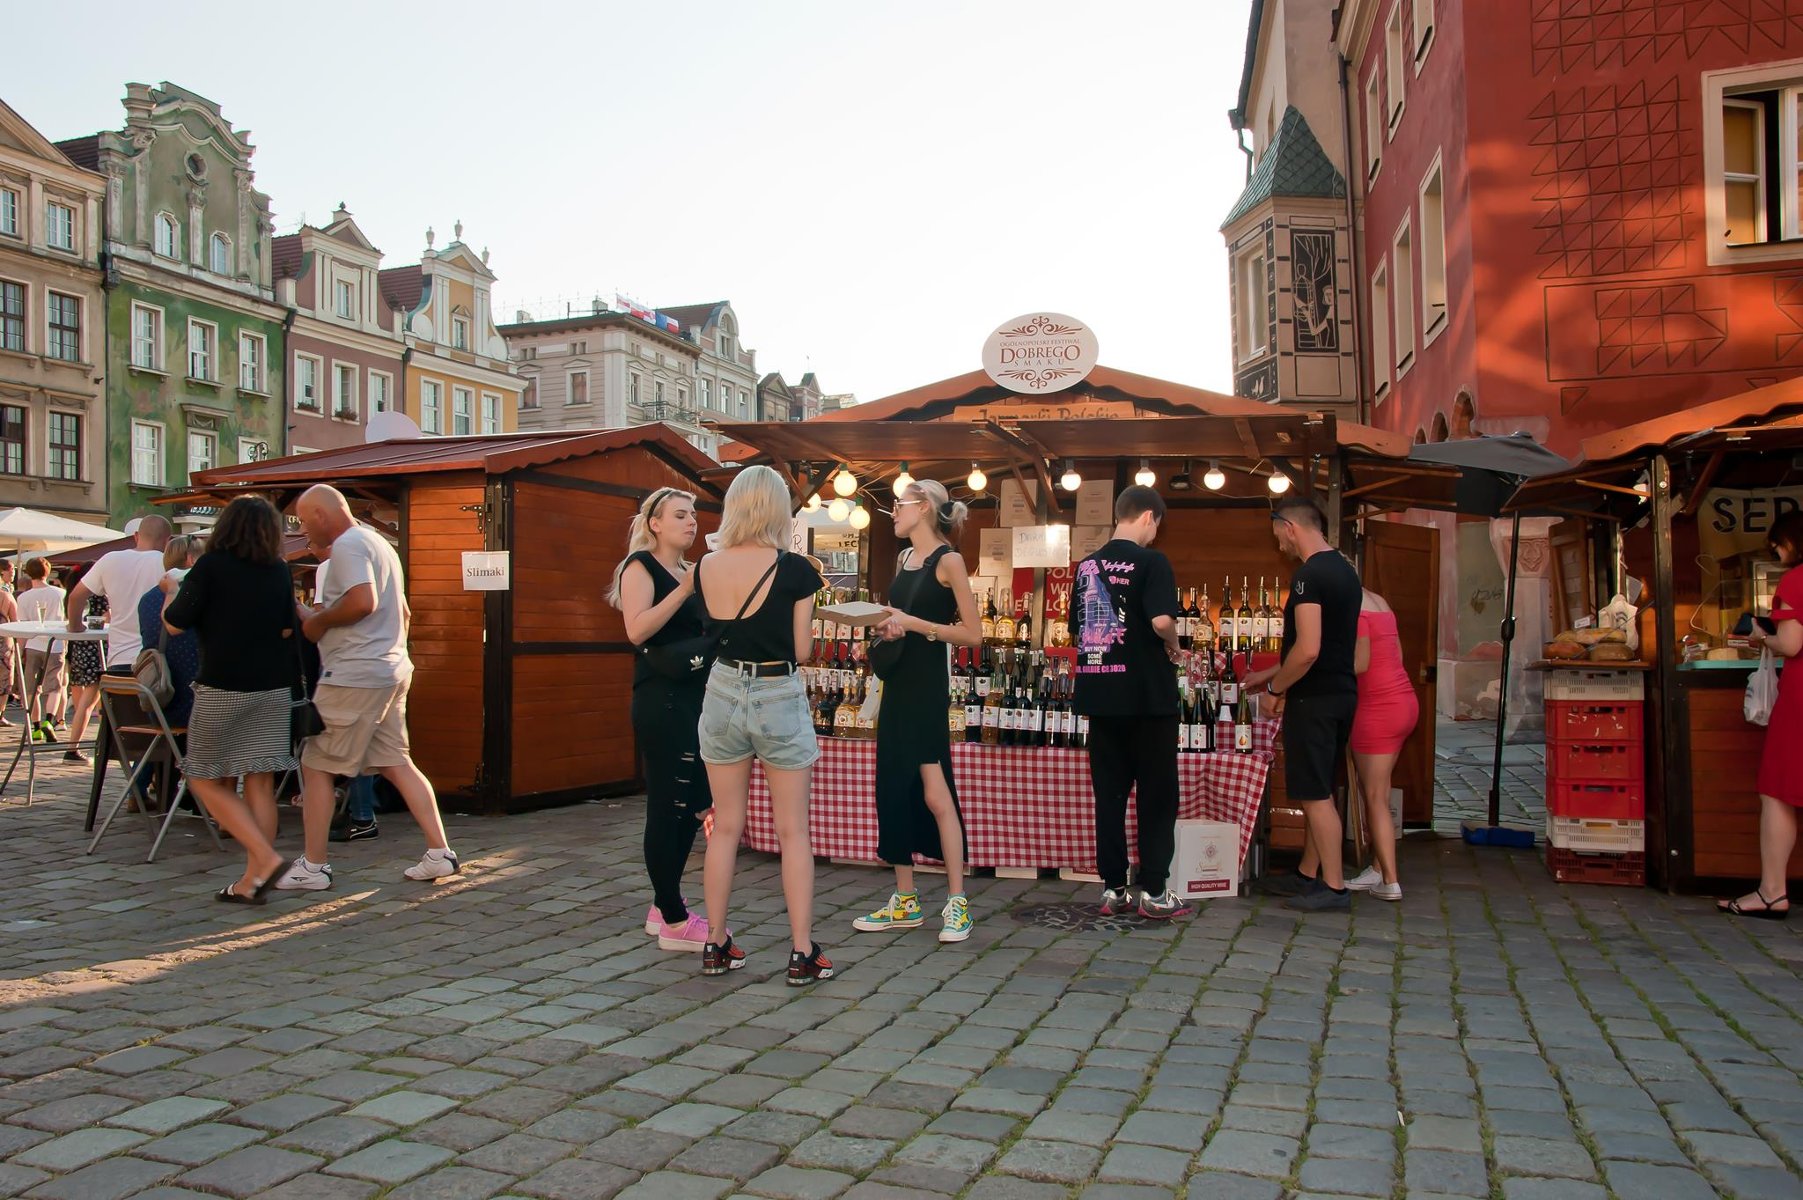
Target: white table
<point x="28" y="749"/>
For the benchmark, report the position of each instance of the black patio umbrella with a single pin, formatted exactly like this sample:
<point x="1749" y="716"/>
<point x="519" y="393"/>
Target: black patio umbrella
<point x="1490" y="470"/>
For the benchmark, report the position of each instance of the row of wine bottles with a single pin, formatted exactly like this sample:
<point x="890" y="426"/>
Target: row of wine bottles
<point x="1256" y="626"/>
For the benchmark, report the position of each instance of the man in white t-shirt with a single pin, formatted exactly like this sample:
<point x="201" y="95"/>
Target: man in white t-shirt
<point x="121" y="578"/>
<point x="360" y="625"/>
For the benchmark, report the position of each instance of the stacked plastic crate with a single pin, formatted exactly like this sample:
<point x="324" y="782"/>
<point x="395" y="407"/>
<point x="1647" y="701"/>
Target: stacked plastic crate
<point x="1596" y="776"/>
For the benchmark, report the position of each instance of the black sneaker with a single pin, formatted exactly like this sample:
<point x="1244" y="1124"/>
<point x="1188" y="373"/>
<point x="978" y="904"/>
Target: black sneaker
<point x="718" y="960"/>
<point x="353" y="831"/>
<point x="1321" y="898"/>
<point x="1293" y="883"/>
<point x="806" y="968"/>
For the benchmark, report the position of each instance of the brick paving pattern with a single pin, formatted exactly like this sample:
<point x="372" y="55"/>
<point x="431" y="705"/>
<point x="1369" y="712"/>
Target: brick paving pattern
<point x="513" y="1032"/>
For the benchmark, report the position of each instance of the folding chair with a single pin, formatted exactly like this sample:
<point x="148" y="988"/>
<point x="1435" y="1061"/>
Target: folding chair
<point x="132" y="715"/>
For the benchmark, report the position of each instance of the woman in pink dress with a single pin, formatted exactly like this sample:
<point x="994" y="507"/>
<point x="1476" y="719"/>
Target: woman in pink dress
<point x="1386" y="716"/>
<point x="1781" y="762"/>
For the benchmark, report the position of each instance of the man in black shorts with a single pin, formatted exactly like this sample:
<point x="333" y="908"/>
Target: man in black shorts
<point x="1315" y="688"/>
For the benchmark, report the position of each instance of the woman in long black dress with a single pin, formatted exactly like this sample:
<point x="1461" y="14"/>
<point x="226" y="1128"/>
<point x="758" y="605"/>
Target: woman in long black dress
<point x="916" y="799"/>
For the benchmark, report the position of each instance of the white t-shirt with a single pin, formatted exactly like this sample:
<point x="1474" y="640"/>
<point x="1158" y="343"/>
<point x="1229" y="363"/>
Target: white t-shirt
<point x="372" y="653"/>
<point x="43" y="604"/>
<point x="123" y="577"/>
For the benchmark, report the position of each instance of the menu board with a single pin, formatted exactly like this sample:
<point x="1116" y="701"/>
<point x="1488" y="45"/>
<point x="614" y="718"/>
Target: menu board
<point x="1087" y="539"/>
<point x="1017" y="505"/>
<point x="995" y="552"/>
<point x="1095" y="502"/>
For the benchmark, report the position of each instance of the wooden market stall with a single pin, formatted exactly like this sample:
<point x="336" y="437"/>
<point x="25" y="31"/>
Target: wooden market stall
<point x="520" y="695"/>
<point x="1685" y="502"/>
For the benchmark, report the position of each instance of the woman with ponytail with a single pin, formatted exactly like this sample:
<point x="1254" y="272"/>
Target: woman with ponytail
<point x="654" y="589"/>
<point x="916" y="802"/>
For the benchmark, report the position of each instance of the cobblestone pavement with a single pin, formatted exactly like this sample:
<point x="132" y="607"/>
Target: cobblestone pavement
<point x="513" y="1032"/>
<point x="1465" y="754"/>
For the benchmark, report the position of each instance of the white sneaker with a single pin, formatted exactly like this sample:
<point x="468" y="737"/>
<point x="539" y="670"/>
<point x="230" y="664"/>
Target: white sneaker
<point x="437" y="864"/>
<point x="1365" y="880"/>
<point x="304" y="876"/>
<point x="1387" y="891"/>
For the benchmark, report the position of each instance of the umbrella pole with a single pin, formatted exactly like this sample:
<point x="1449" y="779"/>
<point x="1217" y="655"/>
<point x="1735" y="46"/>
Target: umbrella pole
<point x="1502" y="688"/>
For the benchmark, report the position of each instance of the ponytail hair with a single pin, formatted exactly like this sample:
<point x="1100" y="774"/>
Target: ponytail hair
<point x="639" y="536"/>
<point x="948" y="515"/>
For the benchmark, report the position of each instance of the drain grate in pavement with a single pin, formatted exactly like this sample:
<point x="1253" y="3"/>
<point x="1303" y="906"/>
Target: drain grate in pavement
<point x="1080" y="918"/>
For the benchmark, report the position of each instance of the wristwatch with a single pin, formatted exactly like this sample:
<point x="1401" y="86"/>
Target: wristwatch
<point x="932" y="633"/>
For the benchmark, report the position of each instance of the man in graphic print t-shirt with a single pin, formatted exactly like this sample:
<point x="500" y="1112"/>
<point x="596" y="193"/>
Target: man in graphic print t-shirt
<point x="1124" y="605"/>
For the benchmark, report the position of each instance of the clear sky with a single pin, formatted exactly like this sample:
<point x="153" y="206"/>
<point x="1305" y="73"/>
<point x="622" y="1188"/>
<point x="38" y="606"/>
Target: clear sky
<point x="875" y="187"/>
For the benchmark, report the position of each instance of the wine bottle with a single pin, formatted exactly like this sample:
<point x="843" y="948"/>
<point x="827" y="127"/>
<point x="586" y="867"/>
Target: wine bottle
<point x="1277" y="617"/>
<point x="1185" y="623"/>
<point x="1023" y="629"/>
<point x="1184" y="711"/>
<point x="1230" y="683"/>
<point x="1242" y="725"/>
<point x="992" y="711"/>
<point x="1243" y="628"/>
<point x="1227" y="628"/>
<point x="1224" y="726"/>
<point x="1004" y="622"/>
<point x="1201" y="726"/>
<point x="1202" y="633"/>
<point x="1261" y="620"/>
<point x="989" y="620"/>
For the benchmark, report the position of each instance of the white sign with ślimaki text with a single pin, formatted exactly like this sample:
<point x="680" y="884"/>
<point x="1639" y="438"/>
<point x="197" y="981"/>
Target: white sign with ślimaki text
<point x="487" y="571"/>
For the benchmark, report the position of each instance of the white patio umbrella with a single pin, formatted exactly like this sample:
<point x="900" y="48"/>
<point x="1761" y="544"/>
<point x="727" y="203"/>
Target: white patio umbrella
<point x="28" y="529"/>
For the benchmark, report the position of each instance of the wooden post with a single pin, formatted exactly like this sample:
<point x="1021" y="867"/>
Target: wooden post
<point x="1669" y="840"/>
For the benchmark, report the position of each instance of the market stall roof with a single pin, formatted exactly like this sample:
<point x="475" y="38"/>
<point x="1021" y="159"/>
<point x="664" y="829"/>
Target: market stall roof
<point x="1761" y="406"/>
<point x="294" y="549"/>
<point x="1102" y="383"/>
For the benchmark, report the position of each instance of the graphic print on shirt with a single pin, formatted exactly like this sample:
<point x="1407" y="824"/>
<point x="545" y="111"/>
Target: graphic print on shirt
<point x="1101" y="625"/>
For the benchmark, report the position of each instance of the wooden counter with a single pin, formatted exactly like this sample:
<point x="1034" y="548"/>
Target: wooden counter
<point x="1723" y="775"/>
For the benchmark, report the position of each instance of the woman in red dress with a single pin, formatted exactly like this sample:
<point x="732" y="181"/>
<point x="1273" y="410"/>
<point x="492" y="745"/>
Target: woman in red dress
<point x="1386" y="716"/>
<point x="1781" y="762"/>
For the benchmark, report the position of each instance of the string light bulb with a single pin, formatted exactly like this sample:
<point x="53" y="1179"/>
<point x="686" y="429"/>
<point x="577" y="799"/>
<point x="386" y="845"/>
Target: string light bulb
<point x="1070" y="481"/>
<point x="845" y="483"/>
<point x="977" y="481"/>
<point x="838" y="510"/>
<point x="1215" y="479"/>
<point x="860" y="517"/>
<point x="1145" y="476"/>
<point x="813" y="504"/>
<point x="903" y="480"/>
<point x="1279" y="483"/>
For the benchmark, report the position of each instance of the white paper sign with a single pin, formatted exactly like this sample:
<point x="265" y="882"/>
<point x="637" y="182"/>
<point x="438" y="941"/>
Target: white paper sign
<point x="1015" y="506"/>
<point x="798" y="536"/>
<point x="1087" y="539"/>
<point x="1042" y="546"/>
<point x="1095" y="502"/>
<point x="486" y="571"/>
<point x="995" y="552"/>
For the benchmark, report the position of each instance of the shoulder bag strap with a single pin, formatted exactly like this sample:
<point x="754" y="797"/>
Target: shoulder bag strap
<point x="727" y="629"/>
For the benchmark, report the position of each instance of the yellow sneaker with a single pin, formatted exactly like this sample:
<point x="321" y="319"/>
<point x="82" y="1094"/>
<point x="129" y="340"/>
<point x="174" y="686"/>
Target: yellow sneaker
<point x="902" y="912"/>
<point x="957" y="920"/>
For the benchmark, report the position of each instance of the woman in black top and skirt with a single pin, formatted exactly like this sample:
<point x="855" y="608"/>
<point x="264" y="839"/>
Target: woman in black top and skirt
<point x="916" y="800"/>
<point x="654" y="589"/>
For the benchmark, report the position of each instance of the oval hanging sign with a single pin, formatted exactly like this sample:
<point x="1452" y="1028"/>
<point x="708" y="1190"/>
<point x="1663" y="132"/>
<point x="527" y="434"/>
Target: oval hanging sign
<point x="1040" y="353"/>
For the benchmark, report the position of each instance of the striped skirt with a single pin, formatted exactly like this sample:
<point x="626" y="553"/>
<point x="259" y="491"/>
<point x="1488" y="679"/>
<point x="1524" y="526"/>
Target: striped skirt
<point x="239" y="733"/>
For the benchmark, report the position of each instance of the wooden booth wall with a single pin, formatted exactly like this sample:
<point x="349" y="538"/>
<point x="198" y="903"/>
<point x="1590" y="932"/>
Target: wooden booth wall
<point x="445" y="705"/>
<point x="567" y="653"/>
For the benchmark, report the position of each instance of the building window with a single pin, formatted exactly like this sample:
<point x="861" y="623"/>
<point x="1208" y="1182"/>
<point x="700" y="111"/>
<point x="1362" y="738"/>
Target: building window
<point x="306" y="383"/>
<point x="344" y="391"/>
<point x="682" y="398"/>
<point x="147" y="454"/>
<point x="1380" y="330"/>
<point x="660" y="393"/>
<point x="632" y="388"/>
<point x="146" y="337"/>
<point x="1393" y="66"/>
<point x="64" y="341"/>
<point x="9" y="212"/>
<point x="1424" y="29"/>
<point x="1750" y="162"/>
<point x="12" y="316"/>
<point x="707" y="393"/>
<point x="1402" y="261"/>
<point x="578" y="391"/>
<point x="59" y="226"/>
<point x="251" y="356"/>
<point x="381" y="392"/>
<point x="1433" y="253"/>
<point x="203" y="340"/>
<point x="431" y="406"/>
<point x="491" y="413"/>
<point x="529" y="396"/>
<point x="12" y="439"/>
<point x="64" y="459"/>
<point x="168" y="243"/>
<point x="344" y="299"/>
<point x="219" y="254"/>
<point x="463" y="411"/>
<point x="744" y="403"/>
<point x="203" y="451"/>
<point x="1254" y="306"/>
<point x="1374" y="128"/>
<point x="460" y="333"/>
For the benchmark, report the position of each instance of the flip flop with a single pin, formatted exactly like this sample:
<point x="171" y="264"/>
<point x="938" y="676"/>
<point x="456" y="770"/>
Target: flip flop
<point x="263" y="888"/>
<point x="226" y="895"/>
<point x="1768" y="913"/>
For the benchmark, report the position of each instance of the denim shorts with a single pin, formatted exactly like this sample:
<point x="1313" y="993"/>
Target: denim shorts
<point x="743" y="716"/>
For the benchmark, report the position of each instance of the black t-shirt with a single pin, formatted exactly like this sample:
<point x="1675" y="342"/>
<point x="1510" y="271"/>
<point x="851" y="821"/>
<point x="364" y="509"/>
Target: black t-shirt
<point x="1122" y="667"/>
<point x="241" y="611"/>
<point x="767" y="632"/>
<point x="1328" y="580"/>
<point x="684" y="623"/>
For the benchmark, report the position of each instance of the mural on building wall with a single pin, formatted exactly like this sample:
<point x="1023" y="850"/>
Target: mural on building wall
<point x="1313" y="292"/>
<point x="1571" y="37"/>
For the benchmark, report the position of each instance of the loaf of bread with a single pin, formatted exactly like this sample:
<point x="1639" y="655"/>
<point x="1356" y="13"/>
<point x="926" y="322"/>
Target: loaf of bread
<point x="1591" y="637"/>
<point x="1564" y="650"/>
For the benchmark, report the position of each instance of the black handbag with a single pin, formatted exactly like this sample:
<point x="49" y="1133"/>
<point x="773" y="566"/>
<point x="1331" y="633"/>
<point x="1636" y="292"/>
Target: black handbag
<point x="693" y="657"/>
<point x="304" y="720"/>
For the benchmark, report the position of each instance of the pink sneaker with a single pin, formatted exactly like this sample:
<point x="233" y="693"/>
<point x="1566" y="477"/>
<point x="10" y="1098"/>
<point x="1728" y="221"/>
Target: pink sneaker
<point x="654" y="921"/>
<point x="690" y="935"/>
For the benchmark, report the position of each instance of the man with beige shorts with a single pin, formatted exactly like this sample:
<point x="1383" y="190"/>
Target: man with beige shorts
<point x="361" y="627"/>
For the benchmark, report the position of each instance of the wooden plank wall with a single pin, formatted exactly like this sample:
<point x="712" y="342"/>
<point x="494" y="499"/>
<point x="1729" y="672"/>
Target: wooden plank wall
<point x="444" y="708"/>
<point x="1724" y="792"/>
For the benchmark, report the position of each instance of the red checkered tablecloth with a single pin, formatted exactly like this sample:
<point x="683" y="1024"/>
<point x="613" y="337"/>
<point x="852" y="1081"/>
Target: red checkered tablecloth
<point x="1022" y="807"/>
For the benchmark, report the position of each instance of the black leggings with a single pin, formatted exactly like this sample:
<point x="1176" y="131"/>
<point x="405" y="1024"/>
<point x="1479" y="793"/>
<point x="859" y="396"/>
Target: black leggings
<point x="665" y="718"/>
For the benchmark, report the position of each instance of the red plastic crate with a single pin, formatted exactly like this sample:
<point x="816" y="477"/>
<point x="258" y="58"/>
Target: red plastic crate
<point x="1595" y="721"/>
<point x="1595" y="762"/>
<point x="1583" y="798"/>
<point x="1617" y="870"/>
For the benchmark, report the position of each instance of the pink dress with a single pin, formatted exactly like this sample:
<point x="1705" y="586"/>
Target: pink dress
<point x="1781" y="761"/>
<point x="1387" y="709"/>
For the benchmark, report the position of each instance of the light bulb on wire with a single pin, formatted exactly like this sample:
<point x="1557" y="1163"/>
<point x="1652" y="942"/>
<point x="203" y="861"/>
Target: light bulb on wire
<point x="838" y="510"/>
<point x="977" y="481"/>
<point x="845" y="483"/>
<point x="1215" y="479"/>
<point x="1070" y="481"/>
<point x="1279" y="483"/>
<point x="813" y="504"/>
<point x="1145" y="476"/>
<point x="860" y="517"/>
<point x="903" y="480"/>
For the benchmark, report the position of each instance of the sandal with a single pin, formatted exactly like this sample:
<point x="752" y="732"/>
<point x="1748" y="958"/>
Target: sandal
<point x="226" y="895"/>
<point x="1768" y="913"/>
<point x="269" y="881"/>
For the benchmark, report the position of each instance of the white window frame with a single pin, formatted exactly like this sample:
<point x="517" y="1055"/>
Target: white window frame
<point x="460" y="333"/>
<point x="23" y="317"/>
<point x="1424" y="31"/>
<point x="482" y="417"/>
<point x="707" y="393"/>
<point x="344" y="399"/>
<point x="219" y="264"/>
<point x="253" y="352"/>
<point x="170" y="247"/>
<point x="52" y="226"/>
<point x="1719" y="90"/>
<point x="1374" y="128"/>
<point x="301" y="400"/>
<point x="431" y="416"/>
<point x="1381" y="343"/>
<point x="385" y="401"/>
<point x="10" y="199"/>
<point x="463" y="405"/>
<point x="302" y="450"/>
<point x="1432" y="252"/>
<point x="632" y="389"/>
<point x="206" y="438"/>
<point x="138" y="308"/>
<point x="51" y="295"/>
<point x="156" y="451"/>
<point x="1394" y="75"/>
<point x="1402" y="295"/>
<point x="569" y="388"/>
<point x="1250" y="269"/>
<point x="81" y="447"/>
<point x="209" y="372"/>
<point x="744" y="403"/>
<point x="344" y="299"/>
